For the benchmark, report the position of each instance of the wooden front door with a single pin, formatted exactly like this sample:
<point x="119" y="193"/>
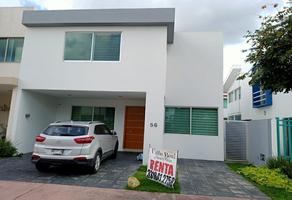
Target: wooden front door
<point x="134" y="127"/>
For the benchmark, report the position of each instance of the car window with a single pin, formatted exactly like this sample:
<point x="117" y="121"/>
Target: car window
<point x="66" y="130"/>
<point x="101" y="130"/>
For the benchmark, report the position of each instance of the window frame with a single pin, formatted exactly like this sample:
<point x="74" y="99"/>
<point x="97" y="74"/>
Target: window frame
<point x="6" y="49"/>
<point x="190" y="120"/>
<point x="92" y="46"/>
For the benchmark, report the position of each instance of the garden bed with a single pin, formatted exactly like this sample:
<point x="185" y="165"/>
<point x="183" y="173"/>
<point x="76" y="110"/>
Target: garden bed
<point x="272" y="182"/>
<point x="152" y="186"/>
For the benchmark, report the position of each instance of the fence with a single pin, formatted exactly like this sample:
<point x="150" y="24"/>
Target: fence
<point x="284" y="137"/>
<point x="248" y="141"/>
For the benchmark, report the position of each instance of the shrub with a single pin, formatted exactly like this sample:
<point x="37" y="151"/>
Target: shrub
<point x="284" y="164"/>
<point x="7" y="149"/>
<point x="267" y="177"/>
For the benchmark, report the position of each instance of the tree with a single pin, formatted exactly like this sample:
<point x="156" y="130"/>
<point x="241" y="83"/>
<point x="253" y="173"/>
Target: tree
<point x="271" y="52"/>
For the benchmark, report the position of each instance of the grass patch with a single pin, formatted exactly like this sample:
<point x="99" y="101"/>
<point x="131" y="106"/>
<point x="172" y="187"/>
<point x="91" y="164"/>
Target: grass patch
<point x="152" y="186"/>
<point x="273" y="192"/>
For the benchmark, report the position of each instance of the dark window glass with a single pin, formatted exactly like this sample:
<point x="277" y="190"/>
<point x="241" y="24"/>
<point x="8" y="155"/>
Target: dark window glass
<point x="3" y="44"/>
<point x="107" y="46"/>
<point x="81" y="113"/>
<point x="14" y="50"/>
<point x="66" y="130"/>
<point x="78" y="46"/>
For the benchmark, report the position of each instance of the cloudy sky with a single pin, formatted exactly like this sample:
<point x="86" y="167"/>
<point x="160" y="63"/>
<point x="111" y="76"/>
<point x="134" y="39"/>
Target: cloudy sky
<point x="232" y="17"/>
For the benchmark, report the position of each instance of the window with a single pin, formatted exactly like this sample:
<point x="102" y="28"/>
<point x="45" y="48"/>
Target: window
<point x="261" y="98"/>
<point x="225" y="102"/>
<point x="235" y="117"/>
<point x="11" y="49"/>
<point x="194" y="121"/>
<point x="86" y="113"/>
<point x="66" y="130"/>
<point x="98" y="46"/>
<point x="78" y="46"/>
<point x="239" y="93"/>
<point x="177" y="120"/>
<point x="101" y="130"/>
<point x="230" y="96"/>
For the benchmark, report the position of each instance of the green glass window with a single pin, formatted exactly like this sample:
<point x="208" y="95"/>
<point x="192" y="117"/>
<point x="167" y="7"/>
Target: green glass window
<point x="177" y="120"/>
<point x="107" y="46"/>
<point x="81" y="113"/>
<point x="87" y="113"/>
<point x="204" y="121"/>
<point x="105" y="115"/>
<point x="11" y="49"/>
<point x="225" y="103"/>
<point x="78" y="46"/>
<point x="93" y="46"/>
<point x="3" y="44"/>
<point x="14" y="50"/>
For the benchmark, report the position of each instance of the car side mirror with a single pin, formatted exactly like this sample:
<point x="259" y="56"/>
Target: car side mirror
<point x="114" y="132"/>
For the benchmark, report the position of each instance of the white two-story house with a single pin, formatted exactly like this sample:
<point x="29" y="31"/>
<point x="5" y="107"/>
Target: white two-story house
<point x="125" y="67"/>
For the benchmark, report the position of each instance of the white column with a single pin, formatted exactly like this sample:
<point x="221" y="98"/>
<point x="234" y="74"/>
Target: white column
<point x="154" y="122"/>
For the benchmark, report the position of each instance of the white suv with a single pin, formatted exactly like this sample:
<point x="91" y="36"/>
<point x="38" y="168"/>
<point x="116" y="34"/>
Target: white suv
<point x="86" y="143"/>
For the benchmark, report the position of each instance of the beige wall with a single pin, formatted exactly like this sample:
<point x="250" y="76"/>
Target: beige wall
<point x="10" y="23"/>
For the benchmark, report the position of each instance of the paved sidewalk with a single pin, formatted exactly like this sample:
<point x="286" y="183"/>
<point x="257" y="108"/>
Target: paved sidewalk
<point x="201" y="177"/>
<point x="11" y="190"/>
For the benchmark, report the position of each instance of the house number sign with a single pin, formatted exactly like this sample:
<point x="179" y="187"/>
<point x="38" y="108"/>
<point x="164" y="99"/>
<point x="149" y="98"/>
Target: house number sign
<point x="152" y="124"/>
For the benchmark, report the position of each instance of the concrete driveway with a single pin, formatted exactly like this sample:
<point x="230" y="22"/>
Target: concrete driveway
<point x="113" y="173"/>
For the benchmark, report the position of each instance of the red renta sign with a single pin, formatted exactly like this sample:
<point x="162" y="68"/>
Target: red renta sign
<point x="162" y="166"/>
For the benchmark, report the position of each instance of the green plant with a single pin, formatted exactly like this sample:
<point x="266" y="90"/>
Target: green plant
<point x="284" y="164"/>
<point x="267" y="177"/>
<point x="274" y="193"/>
<point x="7" y="149"/>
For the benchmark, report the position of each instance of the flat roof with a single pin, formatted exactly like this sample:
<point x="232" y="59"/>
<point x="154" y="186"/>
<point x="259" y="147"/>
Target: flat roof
<point x="102" y="17"/>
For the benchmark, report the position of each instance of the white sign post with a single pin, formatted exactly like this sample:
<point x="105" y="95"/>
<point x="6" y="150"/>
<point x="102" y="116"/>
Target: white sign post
<point x="162" y="166"/>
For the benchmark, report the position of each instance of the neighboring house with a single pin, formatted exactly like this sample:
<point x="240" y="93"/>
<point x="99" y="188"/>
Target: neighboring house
<point x="128" y="68"/>
<point x="251" y="103"/>
<point x="11" y="42"/>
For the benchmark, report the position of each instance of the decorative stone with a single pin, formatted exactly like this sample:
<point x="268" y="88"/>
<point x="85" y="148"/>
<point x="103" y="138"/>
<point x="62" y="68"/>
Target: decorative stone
<point x="133" y="182"/>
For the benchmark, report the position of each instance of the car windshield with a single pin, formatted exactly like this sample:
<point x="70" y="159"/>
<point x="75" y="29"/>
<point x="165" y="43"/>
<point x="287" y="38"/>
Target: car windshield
<point x="66" y="130"/>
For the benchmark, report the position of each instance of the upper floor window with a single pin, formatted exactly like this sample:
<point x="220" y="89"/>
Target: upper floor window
<point x="11" y="49"/>
<point x="230" y="96"/>
<point x="93" y="46"/>
<point x="261" y="98"/>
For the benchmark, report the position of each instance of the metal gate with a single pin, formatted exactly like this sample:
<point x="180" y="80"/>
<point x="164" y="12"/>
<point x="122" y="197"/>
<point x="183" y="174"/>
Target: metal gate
<point x="284" y="137"/>
<point x="235" y="140"/>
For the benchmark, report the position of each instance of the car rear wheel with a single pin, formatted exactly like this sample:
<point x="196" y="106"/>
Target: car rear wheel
<point x="41" y="167"/>
<point x="96" y="164"/>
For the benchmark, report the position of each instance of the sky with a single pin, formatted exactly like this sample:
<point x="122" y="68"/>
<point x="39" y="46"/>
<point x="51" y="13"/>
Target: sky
<point x="231" y="17"/>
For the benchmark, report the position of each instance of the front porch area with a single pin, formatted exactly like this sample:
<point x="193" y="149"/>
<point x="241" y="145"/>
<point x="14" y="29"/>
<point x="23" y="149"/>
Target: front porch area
<point x="123" y="112"/>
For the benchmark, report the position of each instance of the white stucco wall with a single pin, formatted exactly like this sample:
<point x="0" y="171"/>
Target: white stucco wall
<point x="41" y="110"/>
<point x="194" y="79"/>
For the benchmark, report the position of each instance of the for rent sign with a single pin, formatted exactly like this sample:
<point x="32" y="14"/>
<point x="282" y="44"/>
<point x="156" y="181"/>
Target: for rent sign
<point x="162" y="166"/>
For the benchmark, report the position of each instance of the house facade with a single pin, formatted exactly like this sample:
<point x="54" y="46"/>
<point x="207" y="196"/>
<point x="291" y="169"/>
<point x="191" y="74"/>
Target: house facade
<point x="247" y="103"/>
<point x="125" y="67"/>
<point x="11" y="44"/>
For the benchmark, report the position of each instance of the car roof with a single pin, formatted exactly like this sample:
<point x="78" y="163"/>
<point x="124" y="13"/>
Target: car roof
<point x="77" y="123"/>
